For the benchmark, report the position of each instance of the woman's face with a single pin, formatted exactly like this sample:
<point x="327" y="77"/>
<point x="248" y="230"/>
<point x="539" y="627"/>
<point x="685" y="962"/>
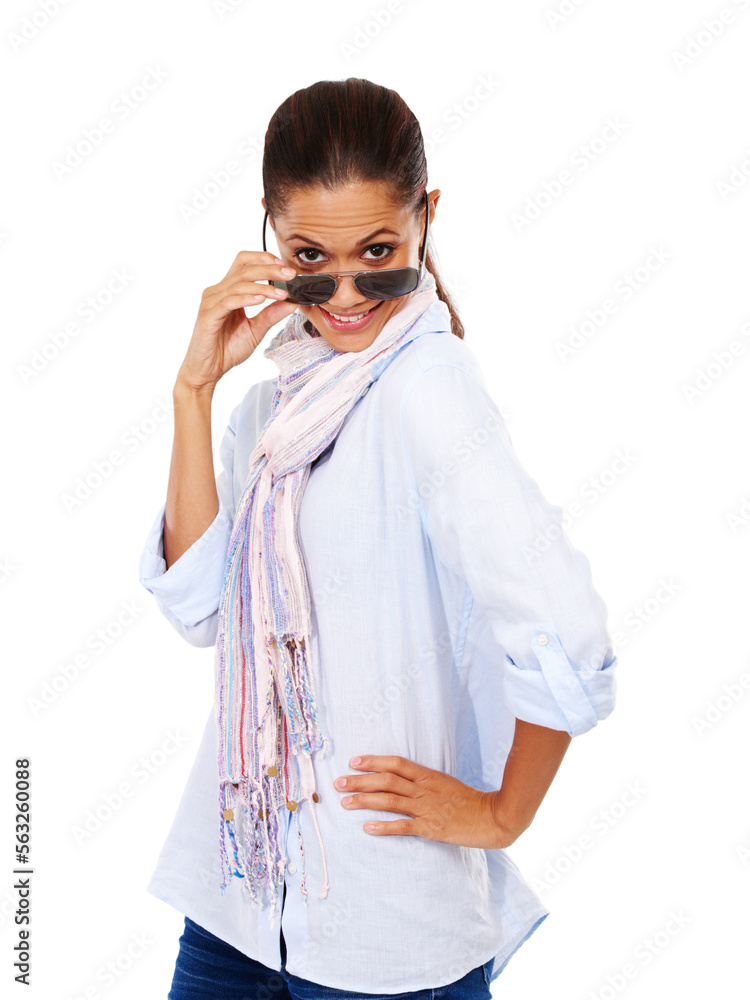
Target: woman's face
<point x="356" y="227"/>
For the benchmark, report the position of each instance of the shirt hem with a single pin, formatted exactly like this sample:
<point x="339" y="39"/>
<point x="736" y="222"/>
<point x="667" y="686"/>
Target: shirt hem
<point x="188" y="911"/>
<point x="497" y="969"/>
<point x="503" y="956"/>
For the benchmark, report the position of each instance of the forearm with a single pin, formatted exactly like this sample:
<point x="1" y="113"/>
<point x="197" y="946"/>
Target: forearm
<point x="192" y="500"/>
<point x="533" y="761"/>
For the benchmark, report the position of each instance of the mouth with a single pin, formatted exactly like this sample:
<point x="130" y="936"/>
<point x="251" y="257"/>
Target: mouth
<point x="350" y="322"/>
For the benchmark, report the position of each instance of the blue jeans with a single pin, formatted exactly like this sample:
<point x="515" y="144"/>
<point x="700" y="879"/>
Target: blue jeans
<point x="208" y="968"/>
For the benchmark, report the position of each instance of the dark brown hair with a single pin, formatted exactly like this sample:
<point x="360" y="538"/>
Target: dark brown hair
<point x="348" y="131"/>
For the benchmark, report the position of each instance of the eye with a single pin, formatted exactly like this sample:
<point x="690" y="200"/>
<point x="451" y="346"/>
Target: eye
<point x="385" y="247"/>
<point x="307" y="255"/>
<point x="306" y="250"/>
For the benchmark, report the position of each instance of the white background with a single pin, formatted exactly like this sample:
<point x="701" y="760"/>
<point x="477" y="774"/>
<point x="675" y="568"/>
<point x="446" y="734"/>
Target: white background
<point x="674" y="514"/>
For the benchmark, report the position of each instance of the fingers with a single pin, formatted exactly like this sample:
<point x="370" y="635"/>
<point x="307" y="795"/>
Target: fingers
<point x="383" y="782"/>
<point x="255" y="290"/>
<point x="382" y="801"/>
<point x="257" y="264"/>
<point x="224" y="336"/>
<point x="400" y="765"/>
<point x="266" y="318"/>
<point x="247" y="284"/>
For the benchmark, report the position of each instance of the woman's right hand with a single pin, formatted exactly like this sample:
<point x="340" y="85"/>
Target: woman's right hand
<point x="223" y="335"/>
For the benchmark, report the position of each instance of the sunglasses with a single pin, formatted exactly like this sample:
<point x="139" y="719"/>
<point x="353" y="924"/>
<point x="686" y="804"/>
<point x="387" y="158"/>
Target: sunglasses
<point x="390" y="283"/>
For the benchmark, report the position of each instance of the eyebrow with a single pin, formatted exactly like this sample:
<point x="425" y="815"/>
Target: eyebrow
<point x="367" y="239"/>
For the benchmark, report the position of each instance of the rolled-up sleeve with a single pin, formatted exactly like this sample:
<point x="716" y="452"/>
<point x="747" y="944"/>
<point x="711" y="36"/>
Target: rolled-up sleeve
<point x="188" y="592"/>
<point x="488" y="521"/>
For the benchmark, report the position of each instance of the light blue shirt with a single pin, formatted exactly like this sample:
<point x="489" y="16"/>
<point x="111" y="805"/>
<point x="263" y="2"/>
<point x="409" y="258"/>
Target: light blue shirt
<point x="441" y="612"/>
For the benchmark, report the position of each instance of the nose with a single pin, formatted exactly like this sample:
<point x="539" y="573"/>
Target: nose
<point x="346" y="297"/>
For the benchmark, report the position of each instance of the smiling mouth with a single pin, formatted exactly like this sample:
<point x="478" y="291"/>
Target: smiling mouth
<point x="348" y="317"/>
<point x="348" y="321"/>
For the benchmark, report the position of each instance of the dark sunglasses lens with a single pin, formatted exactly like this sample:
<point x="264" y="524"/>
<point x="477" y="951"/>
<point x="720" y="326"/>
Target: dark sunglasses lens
<point x="312" y="289"/>
<point x="307" y="291"/>
<point x="388" y="284"/>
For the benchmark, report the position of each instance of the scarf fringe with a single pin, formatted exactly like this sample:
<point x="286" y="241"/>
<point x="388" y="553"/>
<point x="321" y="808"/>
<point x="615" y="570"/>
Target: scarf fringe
<point x="256" y="838"/>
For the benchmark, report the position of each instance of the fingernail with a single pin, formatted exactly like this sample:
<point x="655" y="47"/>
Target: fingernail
<point x="354" y="761"/>
<point x="286" y="270"/>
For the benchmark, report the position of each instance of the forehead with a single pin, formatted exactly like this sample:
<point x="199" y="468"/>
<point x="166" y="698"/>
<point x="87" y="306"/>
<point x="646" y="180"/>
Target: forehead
<point x="343" y="215"/>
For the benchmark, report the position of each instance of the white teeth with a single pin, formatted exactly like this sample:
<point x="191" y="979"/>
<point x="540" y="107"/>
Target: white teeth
<point x="349" y="319"/>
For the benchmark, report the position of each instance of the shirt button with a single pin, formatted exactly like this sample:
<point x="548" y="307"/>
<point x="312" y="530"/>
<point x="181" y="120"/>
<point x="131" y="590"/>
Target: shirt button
<point x="291" y="868"/>
<point x="543" y="640"/>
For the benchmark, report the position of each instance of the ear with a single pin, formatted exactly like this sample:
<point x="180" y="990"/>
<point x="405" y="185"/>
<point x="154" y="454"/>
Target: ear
<point x="433" y="197"/>
<point x="270" y="217"/>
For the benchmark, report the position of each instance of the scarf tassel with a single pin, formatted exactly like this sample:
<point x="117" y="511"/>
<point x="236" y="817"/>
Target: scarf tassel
<point x="256" y="841"/>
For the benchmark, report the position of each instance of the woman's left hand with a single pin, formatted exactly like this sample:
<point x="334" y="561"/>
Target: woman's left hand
<point x="442" y="807"/>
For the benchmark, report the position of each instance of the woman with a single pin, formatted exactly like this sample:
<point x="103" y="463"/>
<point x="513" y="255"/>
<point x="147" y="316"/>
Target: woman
<point x="368" y="567"/>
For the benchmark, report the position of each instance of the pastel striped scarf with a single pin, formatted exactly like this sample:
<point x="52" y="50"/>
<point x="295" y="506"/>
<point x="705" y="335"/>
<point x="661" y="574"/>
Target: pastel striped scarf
<point x="265" y="705"/>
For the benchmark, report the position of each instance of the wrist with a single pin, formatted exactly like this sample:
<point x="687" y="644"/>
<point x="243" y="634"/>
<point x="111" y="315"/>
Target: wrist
<point x="188" y="391"/>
